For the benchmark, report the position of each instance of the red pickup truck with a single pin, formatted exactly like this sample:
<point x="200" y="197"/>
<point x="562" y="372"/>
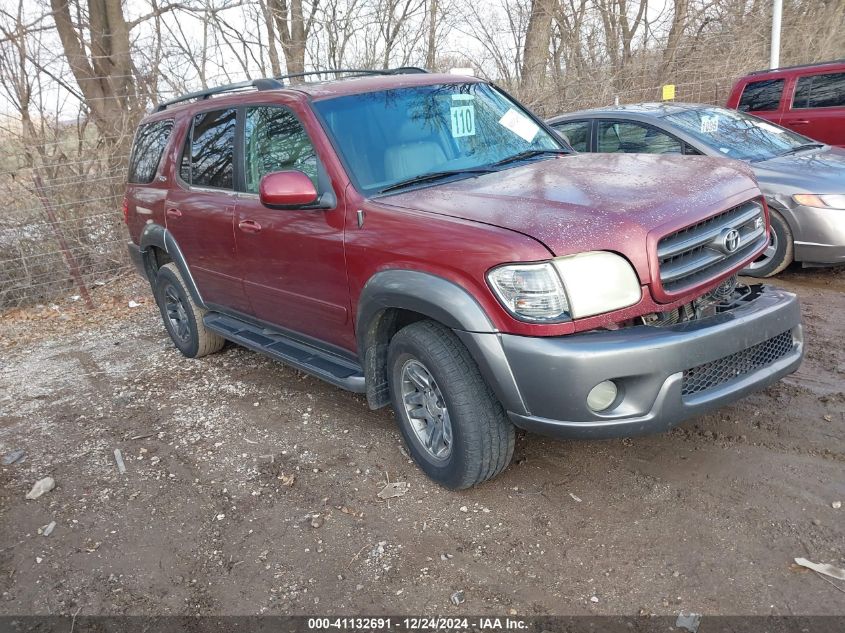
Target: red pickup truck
<point x="427" y="241"/>
<point x="808" y="99"/>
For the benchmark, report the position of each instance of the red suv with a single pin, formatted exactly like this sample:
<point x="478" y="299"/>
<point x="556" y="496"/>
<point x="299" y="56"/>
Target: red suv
<point x="808" y="99"/>
<point x="427" y="241"/>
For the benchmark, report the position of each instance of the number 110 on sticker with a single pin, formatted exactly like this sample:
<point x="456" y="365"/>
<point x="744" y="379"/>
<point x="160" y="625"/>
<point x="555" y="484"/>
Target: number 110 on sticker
<point x="463" y="120"/>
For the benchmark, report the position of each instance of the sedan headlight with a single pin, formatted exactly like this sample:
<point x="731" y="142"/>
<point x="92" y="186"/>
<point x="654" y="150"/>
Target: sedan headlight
<point x="824" y="201"/>
<point x="566" y="288"/>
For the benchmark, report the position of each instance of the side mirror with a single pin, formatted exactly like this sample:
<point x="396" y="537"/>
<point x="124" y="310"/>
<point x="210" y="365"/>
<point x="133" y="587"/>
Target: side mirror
<point x="287" y="189"/>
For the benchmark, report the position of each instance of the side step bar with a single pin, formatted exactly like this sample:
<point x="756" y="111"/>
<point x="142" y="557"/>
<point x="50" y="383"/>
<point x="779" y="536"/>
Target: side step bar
<point x="338" y="371"/>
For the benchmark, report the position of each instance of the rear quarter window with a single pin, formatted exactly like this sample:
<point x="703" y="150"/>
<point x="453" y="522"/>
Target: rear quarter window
<point x="760" y="96"/>
<point x="820" y="91"/>
<point x="150" y="141"/>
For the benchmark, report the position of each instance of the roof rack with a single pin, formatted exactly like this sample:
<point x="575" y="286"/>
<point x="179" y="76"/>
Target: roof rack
<point x="275" y="83"/>
<point x="258" y="84"/>
<point x="771" y="70"/>
<point x="402" y="70"/>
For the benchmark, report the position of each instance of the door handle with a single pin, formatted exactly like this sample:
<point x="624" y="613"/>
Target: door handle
<point x="249" y="226"/>
<point x="800" y="122"/>
<point x="173" y="212"/>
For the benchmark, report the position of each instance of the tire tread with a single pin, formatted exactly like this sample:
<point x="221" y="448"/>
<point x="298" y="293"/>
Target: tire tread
<point x="489" y="435"/>
<point x="208" y="342"/>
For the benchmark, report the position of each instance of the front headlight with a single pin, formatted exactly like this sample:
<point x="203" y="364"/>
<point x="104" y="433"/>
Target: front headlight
<point x="823" y="201"/>
<point x="531" y="292"/>
<point x="566" y="288"/>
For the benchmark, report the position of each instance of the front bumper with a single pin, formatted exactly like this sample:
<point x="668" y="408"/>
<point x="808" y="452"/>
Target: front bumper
<point x="544" y="382"/>
<point x="819" y="235"/>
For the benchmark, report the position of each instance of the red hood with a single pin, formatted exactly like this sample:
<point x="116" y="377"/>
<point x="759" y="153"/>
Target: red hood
<point x="590" y="202"/>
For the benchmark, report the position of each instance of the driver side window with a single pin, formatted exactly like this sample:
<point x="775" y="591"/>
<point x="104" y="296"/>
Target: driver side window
<point x="274" y="140"/>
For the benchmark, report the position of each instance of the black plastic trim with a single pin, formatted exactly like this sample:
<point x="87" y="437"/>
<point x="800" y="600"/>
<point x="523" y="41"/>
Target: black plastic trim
<point x="420" y="292"/>
<point x="304" y="339"/>
<point x="156" y="235"/>
<point x="276" y="344"/>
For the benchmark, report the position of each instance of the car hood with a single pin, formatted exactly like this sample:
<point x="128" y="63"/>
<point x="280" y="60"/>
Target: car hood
<point x="816" y="171"/>
<point x="584" y="202"/>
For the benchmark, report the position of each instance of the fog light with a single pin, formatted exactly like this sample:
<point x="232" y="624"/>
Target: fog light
<point x="602" y="395"/>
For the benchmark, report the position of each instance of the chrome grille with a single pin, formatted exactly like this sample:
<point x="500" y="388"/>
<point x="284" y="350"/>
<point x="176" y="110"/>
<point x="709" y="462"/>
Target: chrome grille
<point x="720" y="371"/>
<point x="702" y="251"/>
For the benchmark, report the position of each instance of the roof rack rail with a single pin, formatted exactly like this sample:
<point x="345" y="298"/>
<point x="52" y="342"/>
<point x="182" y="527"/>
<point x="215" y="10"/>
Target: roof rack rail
<point x="771" y="70"/>
<point x="402" y="70"/>
<point x="275" y="83"/>
<point x="258" y="84"/>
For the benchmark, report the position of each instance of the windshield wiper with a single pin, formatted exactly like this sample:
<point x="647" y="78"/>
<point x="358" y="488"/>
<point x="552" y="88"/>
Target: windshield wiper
<point x="802" y="148"/>
<point x="434" y="175"/>
<point x="530" y="153"/>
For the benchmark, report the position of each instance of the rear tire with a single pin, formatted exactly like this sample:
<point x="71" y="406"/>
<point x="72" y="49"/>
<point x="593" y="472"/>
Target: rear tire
<point x="452" y="423"/>
<point x="182" y="316"/>
<point x="780" y="252"/>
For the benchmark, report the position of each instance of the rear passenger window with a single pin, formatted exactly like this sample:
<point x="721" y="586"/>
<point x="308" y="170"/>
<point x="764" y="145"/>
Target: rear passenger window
<point x="276" y="141"/>
<point x="820" y="91"/>
<point x="213" y="149"/>
<point x="761" y="95"/>
<point x="576" y="133"/>
<point x="147" y="150"/>
<point x="633" y="138"/>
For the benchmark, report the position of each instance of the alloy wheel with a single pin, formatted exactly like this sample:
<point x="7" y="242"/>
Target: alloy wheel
<point x="426" y="410"/>
<point x="176" y="314"/>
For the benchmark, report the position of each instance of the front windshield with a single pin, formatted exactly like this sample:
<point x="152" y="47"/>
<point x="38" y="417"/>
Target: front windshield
<point x="736" y="134"/>
<point x="393" y="136"/>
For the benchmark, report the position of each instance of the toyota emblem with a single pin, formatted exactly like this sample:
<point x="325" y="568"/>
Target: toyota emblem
<point x="732" y="240"/>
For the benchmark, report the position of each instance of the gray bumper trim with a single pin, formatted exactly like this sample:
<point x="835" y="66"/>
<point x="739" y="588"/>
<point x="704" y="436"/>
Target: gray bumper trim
<point x="554" y="375"/>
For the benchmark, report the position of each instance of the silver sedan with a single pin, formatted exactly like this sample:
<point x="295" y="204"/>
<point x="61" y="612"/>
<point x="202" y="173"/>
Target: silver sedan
<point x="803" y="180"/>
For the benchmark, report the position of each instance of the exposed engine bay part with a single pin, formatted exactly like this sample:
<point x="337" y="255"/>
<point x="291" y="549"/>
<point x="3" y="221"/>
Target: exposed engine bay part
<point x="723" y="297"/>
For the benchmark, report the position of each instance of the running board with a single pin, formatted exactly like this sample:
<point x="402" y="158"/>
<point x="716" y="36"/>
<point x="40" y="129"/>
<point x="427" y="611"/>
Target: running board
<point x="338" y="371"/>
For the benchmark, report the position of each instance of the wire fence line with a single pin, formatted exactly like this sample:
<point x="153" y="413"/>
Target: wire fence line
<point x="61" y="229"/>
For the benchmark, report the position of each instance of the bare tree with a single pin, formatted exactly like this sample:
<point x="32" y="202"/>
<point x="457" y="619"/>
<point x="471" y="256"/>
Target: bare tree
<point x="293" y="21"/>
<point x="431" y="42"/>
<point x="676" y="31"/>
<point x="102" y="64"/>
<point x="537" y="41"/>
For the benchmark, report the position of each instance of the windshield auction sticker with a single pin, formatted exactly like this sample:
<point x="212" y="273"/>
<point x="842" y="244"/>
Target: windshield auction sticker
<point x="463" y="116"/>
<point x="709" y="124"/>
<point x="519" y="124"/>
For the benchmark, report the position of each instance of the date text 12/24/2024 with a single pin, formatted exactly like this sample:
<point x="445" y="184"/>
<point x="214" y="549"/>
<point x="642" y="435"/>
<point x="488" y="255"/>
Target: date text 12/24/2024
<point x="417" y="624"/>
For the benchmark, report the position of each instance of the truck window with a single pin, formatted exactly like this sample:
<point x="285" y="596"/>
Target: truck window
<point x="147" y="150"/>
<point x="820" y="91"/>
<point x="276" y="141"/>
<point x="760" y="96"/>
<point x="213" y="149"/>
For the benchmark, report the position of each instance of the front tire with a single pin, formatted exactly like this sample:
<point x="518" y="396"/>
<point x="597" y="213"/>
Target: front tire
<point x="182" y="317"/>
<point x="452" y="423"/>
<point x="780" y="252"/>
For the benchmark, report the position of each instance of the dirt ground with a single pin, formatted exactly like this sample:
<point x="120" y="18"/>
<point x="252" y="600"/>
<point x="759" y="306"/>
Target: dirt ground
<point x="251" y="489"/>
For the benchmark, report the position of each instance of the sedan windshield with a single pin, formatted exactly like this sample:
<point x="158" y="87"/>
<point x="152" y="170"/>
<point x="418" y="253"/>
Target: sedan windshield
<point x="738" y="135"/>
<point x="410" y="136"/>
